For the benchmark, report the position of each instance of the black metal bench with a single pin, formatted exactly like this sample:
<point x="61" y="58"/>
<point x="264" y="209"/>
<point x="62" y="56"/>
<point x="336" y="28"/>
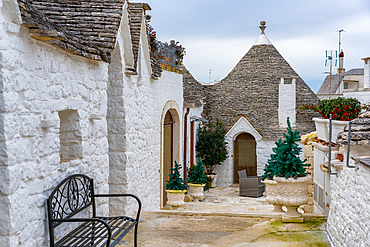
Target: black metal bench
<point x="75" y="194"/>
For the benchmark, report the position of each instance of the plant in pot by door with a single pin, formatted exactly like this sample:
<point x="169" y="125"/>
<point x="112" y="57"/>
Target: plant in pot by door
<point x="175" y="188"/>
<point x="342" y="109"/>
<point x="211" y="147"/>
<point x="197" y="179"/>
<point x="289" y="172"/>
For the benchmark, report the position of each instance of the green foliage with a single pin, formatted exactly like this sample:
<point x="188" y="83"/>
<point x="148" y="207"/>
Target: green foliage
<point x="344" y="109"/>
<point x="196" y="173"/>
<point x="285" y="161"/>
<point x="175" y="182"/>
<point x="211" y="145"/>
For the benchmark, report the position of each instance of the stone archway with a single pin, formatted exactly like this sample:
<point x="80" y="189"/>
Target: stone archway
<point x="245" y="157"/>
<point x="170" y="143"/>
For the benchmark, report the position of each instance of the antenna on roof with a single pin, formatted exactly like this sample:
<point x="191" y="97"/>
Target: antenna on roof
<point x="330" y="56"/>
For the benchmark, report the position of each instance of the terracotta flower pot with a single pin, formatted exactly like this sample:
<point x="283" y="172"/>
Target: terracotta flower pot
<point x="292" y="194"/>
<point x="196" y="191"/>
<point x="175" y="198"/>
<point x="271" y="193"/>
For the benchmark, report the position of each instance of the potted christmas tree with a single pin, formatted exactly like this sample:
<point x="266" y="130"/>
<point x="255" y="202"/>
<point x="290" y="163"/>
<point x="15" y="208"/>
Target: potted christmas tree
<point x="197" y="179"/>
<point x="289" y="172"/>
<point x="175" y="187"/>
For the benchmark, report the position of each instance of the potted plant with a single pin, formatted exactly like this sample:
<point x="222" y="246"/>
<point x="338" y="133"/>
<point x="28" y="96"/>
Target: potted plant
<point x="289" y="171"/>
<point x="342" y="109"/>
<point x="197" y="179"/>
<point x="175" y="187"/>
<point x="211" y="147"/>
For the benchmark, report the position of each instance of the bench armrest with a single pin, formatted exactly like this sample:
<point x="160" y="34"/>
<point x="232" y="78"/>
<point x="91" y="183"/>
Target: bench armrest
<point x="124" y="195"/>
<point x="88" y="220"/>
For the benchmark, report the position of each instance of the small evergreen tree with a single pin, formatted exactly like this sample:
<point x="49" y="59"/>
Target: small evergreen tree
<point x="175" y="182"/>
<point x="211" y="145"/>
<point x="285" y="160"/>
<point x="197" y="174"/>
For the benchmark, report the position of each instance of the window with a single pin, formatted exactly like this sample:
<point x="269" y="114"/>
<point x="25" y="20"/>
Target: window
<point x="70" y="135"/>
<point x="287" y="80"/>
<point x="345" y="85"/>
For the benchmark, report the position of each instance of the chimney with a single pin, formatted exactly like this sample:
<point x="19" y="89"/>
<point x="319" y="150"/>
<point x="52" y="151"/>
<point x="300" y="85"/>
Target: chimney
<point x="366" y="72"/>
<point x="340" y="68"/>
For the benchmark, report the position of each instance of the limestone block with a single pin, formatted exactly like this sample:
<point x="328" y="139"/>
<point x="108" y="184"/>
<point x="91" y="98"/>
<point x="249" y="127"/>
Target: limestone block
<point x="29" y="125"/>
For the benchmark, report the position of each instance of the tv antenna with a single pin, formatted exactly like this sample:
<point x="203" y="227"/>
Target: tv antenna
<point x="331" y="56"/>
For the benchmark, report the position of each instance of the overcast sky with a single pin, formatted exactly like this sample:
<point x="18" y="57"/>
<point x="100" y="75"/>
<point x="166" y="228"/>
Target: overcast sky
<point x="218" y="33"/>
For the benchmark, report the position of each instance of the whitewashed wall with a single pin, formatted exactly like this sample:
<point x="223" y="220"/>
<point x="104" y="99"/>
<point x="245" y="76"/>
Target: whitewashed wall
<point x="349" y="215"/>
<point x="37" y="81"/>
<point x="363" y="95"/>
<point x="135" y="111"/>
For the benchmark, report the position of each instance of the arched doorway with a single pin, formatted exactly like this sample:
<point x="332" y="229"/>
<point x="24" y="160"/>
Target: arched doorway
<point x="245" y="157"/>
<point x="167" y="151"/>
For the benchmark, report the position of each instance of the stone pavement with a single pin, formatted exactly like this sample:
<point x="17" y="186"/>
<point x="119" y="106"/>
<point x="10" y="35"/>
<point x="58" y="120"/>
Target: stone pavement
<point x="225" y="219"/>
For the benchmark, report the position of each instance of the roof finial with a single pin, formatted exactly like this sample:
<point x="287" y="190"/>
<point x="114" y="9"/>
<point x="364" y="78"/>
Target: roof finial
<point x="263" y="27"/>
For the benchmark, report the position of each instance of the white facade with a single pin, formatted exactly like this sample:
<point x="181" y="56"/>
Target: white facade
<point x="40" y="85"/>
<point x="51" y="99"/>
<point x="263" y="150"/>
<point x="349" y="216"/>
<point x="136" y="109"/>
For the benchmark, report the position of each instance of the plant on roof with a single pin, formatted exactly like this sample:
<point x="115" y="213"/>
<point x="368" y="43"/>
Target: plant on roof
<point x="343" y="109"/>
<point x="179" y="51"/>
<point x="211" y="145"/>
<point x="196" y="173"/>
<point x="175" y="181"/>
<point x="285" y="160"/>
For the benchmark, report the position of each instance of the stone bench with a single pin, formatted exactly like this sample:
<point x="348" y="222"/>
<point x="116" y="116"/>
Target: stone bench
<point x="75" y="195"/>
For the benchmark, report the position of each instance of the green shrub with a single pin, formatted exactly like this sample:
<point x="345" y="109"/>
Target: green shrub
<point x="196" y="173"/>
<point x="211" y="145"/>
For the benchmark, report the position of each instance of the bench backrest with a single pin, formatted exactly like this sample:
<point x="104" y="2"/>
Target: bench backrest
<point x="71" y="196"/>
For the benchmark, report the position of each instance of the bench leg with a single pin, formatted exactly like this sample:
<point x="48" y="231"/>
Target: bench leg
<point x="135" y="235"/>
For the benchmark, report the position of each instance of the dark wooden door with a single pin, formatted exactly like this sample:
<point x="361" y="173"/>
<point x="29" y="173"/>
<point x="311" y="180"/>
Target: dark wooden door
<point x="245" y="157"/>
<point x="167" y="152"/>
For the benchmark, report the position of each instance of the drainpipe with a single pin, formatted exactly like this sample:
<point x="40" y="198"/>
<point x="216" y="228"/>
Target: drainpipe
<point x="185" y="138"/>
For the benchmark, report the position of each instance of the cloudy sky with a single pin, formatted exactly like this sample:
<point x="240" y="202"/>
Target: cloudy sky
<point x="218" y="33"/>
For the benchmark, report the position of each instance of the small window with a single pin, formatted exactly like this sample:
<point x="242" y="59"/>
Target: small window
<point x="345" y="85"/>
<point x="287" y="80"/>
<point x="70" y="135"/>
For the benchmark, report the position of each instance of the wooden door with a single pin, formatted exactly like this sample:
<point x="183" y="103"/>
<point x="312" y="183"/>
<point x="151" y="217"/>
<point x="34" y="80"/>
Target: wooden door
<point x="245" y="157"/>
<point x="167" y="152"/>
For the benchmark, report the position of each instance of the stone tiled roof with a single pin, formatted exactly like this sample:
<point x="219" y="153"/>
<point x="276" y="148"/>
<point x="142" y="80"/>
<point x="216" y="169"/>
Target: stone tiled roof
<point x="194" y="92"/>
<point x="360" y="131"/>
<point x="84" y="27"/>
<point x="325" y="86"/>
<point x="251" y="89"/>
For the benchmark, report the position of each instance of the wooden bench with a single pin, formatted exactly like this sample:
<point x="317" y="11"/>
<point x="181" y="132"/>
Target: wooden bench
<point x="75" y="194"/>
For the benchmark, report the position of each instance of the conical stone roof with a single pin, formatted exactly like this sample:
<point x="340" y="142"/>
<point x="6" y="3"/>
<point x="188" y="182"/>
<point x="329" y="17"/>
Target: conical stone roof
<point x="251" y="90"/>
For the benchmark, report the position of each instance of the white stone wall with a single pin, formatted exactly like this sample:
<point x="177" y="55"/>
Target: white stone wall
<point x="135" y="108"/>
<point x="349" y="215"/>
<point x="36" y="82"/>
<point x="363" y="95"/>
<point x="287" y="102"/>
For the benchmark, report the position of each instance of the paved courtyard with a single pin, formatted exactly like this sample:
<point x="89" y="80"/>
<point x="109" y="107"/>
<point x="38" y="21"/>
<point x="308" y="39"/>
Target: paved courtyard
<point x="225" y="219"/>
